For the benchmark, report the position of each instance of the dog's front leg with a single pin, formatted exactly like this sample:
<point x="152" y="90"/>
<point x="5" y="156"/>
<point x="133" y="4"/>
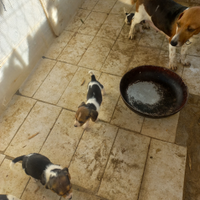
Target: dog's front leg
<point x="183" y="59"/>
<point x="172" y="58"/>
<point x="135" y="20"/>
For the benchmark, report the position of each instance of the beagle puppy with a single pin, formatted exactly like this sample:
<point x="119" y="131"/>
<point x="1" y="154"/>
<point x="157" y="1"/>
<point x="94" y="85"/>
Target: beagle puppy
<point x="8" y="197"/>
<point x="90" y="109"/>
<point x="177" y="22"/>
<point x="53" y="177"/>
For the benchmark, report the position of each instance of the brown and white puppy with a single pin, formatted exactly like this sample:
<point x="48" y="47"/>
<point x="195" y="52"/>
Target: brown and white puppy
<point x="8" y="197"/>
<point x="53" y="177"/>
<point x="177" y="22"/>
<point x="90" y="109"/>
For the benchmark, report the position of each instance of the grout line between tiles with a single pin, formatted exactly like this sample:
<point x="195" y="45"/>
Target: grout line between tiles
<point x="144" y="169"/>
<point x="19" y="127"/>
<point x="107" y="160"/>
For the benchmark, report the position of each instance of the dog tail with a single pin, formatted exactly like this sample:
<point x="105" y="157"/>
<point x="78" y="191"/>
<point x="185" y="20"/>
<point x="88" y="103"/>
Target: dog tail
<point x="93" y="78"/>
<point x="20" y="158"/>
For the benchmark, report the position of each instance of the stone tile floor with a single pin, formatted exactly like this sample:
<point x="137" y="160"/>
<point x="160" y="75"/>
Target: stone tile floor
<point x="123" y="155"/>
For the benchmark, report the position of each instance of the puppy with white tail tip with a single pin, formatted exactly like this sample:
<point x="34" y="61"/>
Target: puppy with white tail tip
<point x="90" y="109"/>
<point x="53" y="177"/>
<point x="8" y="197"/>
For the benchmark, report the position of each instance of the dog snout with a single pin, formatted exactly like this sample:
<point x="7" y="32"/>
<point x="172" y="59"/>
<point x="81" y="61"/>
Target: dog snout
<point x="174" y="43"/>
<point x="75" y="125"/>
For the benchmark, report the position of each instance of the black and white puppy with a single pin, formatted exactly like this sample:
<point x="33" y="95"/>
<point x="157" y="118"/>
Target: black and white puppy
<point x="53" y="177"/>
<point x="8" y="197"/>
<point x="90" y="109"/>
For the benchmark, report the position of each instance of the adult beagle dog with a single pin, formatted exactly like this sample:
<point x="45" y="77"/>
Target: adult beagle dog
<point x="53" y="177"/>
<point x="179" y="23"/>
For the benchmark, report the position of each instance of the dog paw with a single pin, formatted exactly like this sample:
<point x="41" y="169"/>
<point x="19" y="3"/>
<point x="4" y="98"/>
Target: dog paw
<point x="131" y="36"/>
<point x="186" y="63"/>
<point x="173" y="67"/>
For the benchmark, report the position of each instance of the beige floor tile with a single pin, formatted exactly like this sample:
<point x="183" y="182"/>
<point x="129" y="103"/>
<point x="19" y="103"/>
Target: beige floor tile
<point x="13" y="117"/>
<point x="40" y="121"/>
<point x="59" y="44"/>
<point x="144" y="56"/>
<point x="194" y="48"/>
<point x="191" y="75"/>
<point x="123" y="36"/>
<point x="89" y="161"/>
<point x="1" y="158"/>
<point x="111" y="85"/>
<point x="78" y="20"/>
<point x="164" y="173"/>
<point x="93" y="23"/>
<point x="37" y="76"/>
<point x="104" y="5"/>
<point x="152" y="38"/>
<point x="118" y="8"/>
<point x="115" y="20"/>
<point x="12" y="181"/>
<point x="63" y="140"/>
<point x="77" y="46"/>
<point x="56" y="83"/>
<point x="110" y="32"/>
<point x="77" y="195"/>
<point x="163" y="129"/>
<point x="118" y="59"/>
<point x="89" y="4"/>
<point x="36" y="191"/>
<point x="96" y="54"/>
<point x="123" y="174"/>
<point x="125" y="118"/>
<point x="76" y="93"/>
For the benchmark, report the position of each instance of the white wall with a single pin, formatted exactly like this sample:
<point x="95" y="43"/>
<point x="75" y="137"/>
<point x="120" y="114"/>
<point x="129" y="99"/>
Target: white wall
<point x="27" y="29"/>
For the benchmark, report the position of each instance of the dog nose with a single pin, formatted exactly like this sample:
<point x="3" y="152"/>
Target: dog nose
<point x="75" y="125"/>
<point x="174" y="43"/>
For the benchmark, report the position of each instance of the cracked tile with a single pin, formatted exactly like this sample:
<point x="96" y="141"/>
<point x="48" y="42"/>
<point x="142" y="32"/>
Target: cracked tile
<point x="124" y="171"/>
<point x="56" y="82"/>
<point x="75" y="90"/>
<point x="36" y="77"/>
<point x="96" y="54"/>
<point x="125" y="118"/>
<point x="75" y="49"/>
<point x="1" y="158"/>
<point x="91" y="155"/>
<point x="63" y="140"/>
<point x="164" y="173"/>
<point x="13" y="117"/>
<point x="12" y="181"/>
<point x="163" y="129"/>
<point x="37" y="126"/>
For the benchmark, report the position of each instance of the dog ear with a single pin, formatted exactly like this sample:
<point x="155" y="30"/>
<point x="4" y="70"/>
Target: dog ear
<point x="43" y="179"/>
<point x="94" y="115"/>
<point x="180" y="15"/>
<point x="82" y="104"/>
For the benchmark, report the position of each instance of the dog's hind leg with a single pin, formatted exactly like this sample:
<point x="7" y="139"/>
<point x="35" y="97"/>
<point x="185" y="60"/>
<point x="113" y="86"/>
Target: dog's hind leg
<point x="139" y="16"/>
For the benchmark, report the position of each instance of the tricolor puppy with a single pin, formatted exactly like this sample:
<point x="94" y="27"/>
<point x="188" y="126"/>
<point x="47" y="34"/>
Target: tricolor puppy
<point x="177" y="22"/>
<point x="8" y="197"/>
<point x="90" y="109"/>
<point x="53" y="177"/>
